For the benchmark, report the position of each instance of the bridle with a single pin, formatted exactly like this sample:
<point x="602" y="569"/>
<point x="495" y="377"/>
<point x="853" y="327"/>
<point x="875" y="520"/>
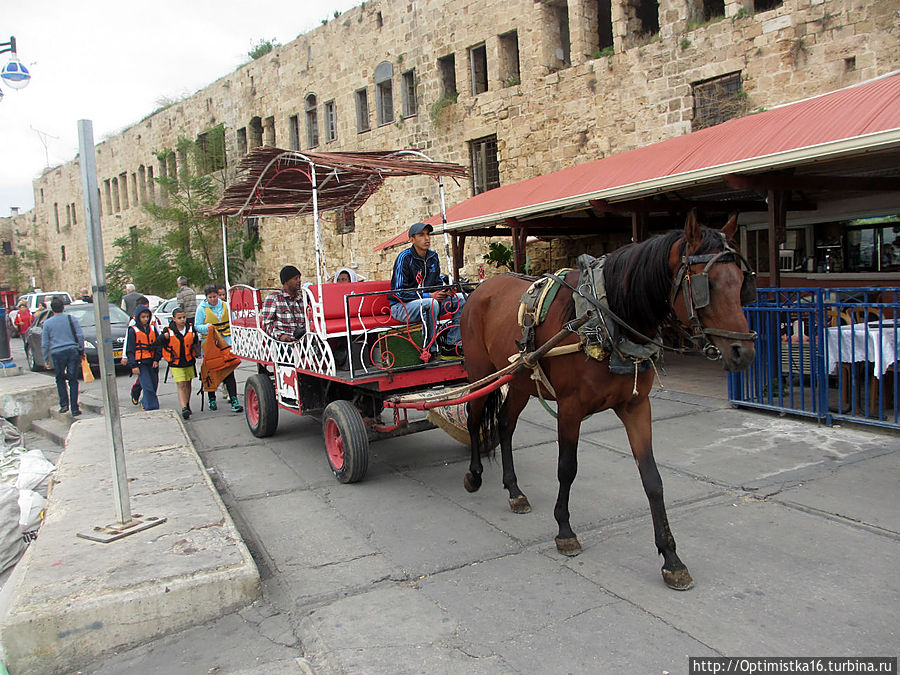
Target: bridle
<point x="695" y="289"/>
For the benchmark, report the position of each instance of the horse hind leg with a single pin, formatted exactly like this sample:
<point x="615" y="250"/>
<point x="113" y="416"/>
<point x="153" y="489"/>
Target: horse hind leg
<point x="481" y="422"/>
<point x="508" y="417"/>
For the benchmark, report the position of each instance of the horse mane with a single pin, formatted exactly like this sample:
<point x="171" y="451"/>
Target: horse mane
<point x="638" y="279"/>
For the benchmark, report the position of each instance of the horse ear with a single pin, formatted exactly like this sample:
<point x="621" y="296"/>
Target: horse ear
<point x="692" y="231"/>
<point x="730" y="228"/>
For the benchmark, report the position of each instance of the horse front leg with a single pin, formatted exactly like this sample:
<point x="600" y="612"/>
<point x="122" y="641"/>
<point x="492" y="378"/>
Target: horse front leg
<point x="568" y="425"/>
<point x="636" y="418"/>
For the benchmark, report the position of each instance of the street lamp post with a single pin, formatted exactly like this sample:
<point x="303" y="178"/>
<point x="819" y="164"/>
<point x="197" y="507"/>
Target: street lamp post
<point x="14" y="74"/>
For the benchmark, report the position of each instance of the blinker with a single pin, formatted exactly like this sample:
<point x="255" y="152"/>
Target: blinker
<point x="699" y="285"/>
<point x="748" y="288"/>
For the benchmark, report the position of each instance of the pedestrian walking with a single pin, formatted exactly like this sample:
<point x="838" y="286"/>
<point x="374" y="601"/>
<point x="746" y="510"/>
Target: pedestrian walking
<point x="24" y="319"/>
<point x="180" y="346"/>
<point x="187" y="299"/>
<point x="130" y="299"/>
<point x="143" y="355"/>
<point x="213" y="313"/>
<point x="62" y="344"/>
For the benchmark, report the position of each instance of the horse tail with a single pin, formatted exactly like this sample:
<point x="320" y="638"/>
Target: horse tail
<point x="489" y="426"/>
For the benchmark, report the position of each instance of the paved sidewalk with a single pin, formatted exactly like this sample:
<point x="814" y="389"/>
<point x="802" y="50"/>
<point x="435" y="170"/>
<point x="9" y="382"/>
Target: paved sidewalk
<point x="790" y="530"/>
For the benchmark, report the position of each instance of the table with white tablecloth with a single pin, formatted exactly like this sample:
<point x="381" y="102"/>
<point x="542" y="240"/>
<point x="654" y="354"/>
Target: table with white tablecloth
<point x="875" y="342"/>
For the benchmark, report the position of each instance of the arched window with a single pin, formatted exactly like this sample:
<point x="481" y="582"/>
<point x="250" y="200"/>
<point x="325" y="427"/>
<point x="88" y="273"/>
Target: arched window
<point x="312" y="122"/>
<point x="384" y="92"/>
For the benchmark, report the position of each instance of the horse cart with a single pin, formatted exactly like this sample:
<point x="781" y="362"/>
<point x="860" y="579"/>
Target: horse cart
<point x="354" y="355"/>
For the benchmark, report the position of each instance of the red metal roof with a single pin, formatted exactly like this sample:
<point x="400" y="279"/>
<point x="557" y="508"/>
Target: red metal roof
<point x="854" y="112"/>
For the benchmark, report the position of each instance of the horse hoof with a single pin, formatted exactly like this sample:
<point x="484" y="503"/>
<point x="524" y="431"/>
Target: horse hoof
<point x="569" y="546"/>
<point x="520" y="504"/>
<point x="679" y="580"/>
<point x="472" y="482"/>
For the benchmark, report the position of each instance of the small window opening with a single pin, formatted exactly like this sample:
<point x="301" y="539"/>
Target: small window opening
<point x="312" y="122"/>
<point x="447" y="68"/>
<point x="485" y="164"/>
<point x="384" y="93"/>
<point x="330" y="121"/>
<point x="410" y="106"/>
<point x="256" y="132"/>
<point x="294" y="132"/>
<point x="362" y="110"/>
<point x="509" y="59"/>
<point x="478" y="68"/>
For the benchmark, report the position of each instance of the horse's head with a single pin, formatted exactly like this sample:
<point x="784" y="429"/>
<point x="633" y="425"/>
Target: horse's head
<point x="712" y="281"/>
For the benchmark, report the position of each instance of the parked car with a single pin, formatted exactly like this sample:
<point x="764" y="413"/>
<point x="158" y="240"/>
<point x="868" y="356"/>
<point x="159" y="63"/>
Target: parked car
<point x="84" y="314"/>
<point x="165" y="309"/>
<point x="35" y="301"/>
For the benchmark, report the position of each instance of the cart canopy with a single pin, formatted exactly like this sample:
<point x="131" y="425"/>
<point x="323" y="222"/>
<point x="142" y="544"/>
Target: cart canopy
<point x="276" y="182"/>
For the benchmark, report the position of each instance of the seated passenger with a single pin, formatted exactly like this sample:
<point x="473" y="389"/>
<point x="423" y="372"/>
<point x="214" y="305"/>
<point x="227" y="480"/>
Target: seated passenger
<point x="345" y="276"/>
<point x="419" y="267"/>
<point x="282" y="315"/>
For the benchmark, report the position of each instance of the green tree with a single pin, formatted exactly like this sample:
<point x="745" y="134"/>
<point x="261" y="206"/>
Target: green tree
<point x="183" y="240"/>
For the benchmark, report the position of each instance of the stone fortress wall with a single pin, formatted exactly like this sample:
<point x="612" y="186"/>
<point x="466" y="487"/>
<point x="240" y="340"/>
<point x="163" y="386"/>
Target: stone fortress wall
<point x="573" y="98"/>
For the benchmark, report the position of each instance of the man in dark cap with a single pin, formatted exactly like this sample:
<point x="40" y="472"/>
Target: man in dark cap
<point x="282" y="314"/>
<point x="419" y="267"/>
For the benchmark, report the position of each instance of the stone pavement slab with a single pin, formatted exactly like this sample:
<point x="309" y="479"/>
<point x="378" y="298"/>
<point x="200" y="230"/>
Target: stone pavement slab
<point x="867" y="491"/>
<point x="607" y="489"/>
<point x="78" y="599"/>
<point x="746" y="449"/>
<point x="770" y="580"/>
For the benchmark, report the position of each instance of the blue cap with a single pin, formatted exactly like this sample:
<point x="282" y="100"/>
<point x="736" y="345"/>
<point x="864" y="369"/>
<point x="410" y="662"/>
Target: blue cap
<point x="416" y="228"/>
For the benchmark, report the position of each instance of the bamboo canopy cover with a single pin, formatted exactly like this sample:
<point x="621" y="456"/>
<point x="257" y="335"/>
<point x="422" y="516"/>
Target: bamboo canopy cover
<point x="276" y="182"/>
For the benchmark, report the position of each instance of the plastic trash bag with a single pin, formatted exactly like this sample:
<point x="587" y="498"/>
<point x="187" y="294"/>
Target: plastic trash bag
<point x="33" y="469"/>
<point x="31" y="508"/>
<point x="11" y="541"/>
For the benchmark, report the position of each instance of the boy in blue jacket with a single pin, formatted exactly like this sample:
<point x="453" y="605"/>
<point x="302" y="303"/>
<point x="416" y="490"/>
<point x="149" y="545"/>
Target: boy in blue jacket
<point x="419" y="267"/>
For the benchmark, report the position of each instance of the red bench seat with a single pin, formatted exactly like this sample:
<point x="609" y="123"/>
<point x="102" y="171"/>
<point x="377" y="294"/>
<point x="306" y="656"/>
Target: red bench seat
<point x="370" y="312"/>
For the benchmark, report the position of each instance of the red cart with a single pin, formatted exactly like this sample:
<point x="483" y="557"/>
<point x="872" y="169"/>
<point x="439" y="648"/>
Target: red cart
<point x="354" y="355"/>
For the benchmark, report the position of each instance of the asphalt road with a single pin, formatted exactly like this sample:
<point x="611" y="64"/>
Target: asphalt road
<point x="790" y="530"/>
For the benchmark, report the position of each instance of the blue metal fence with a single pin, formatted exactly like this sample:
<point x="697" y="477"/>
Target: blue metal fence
<point x="824" y="353"/>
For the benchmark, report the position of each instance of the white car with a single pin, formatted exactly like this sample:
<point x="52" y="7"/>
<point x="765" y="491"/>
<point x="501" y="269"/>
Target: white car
<point x="165" y="309"/>
<point x="35" y="301"/>
<point x="40" y="299"/>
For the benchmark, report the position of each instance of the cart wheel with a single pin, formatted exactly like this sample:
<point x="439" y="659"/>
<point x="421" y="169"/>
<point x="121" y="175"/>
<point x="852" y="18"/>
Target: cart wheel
<point x="260" y="406"/>
<point x="346" y="441"/>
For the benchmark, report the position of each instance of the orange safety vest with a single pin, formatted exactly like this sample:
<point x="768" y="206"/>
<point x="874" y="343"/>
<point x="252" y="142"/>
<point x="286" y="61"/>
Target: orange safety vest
<point x="222" y="325"/>
<point x="144" y="344"/>
<point x="179" y="350"/>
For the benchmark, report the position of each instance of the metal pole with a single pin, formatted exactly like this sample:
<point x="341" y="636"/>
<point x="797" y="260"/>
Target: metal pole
<point x="225" y="255"/>
<point x="450" y="270"/>
<point x="320" y="253"/>
<point x="101" y="317"/>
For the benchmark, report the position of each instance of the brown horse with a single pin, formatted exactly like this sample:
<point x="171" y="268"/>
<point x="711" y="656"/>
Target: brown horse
<point x="645" y="285"/>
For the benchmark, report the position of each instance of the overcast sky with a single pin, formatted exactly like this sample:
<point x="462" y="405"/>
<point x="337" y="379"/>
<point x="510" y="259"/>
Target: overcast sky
<point x="110" y="62"/>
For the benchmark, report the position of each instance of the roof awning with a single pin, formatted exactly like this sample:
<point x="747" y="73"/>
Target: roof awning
<point x="845" y="123"/>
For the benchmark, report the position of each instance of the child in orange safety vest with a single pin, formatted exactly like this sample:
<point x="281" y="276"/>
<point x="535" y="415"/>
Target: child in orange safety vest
<point x="180" y="347"/>
<point x="143" y="354"/>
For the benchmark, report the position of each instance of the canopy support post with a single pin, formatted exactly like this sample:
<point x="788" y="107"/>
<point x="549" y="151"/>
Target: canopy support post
<point x="459" y="245"/>
<point x="777" y="217"/>
<point x="225" y="254"/>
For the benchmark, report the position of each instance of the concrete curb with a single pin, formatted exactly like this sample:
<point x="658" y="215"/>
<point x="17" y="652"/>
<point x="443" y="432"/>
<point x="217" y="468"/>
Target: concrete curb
<point x="78" y="599"/>
<point x="27" y="398"/>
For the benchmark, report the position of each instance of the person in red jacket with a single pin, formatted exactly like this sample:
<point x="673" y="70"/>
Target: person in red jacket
<point x="180" y="347"/>
<point x="23" y="319"/>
